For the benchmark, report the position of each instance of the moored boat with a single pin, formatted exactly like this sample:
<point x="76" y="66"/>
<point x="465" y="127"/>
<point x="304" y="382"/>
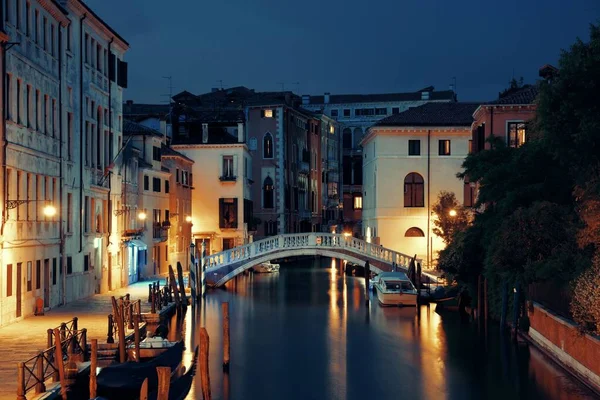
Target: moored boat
<point x="266" y="267"/>
<point x="150" y="347"/>
<point x="395" y="289"/>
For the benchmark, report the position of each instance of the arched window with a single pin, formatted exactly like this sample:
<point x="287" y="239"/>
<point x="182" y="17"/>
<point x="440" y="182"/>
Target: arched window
<point x="414" y="232"/>
<point x="347" y="138"/>
<point x="358" y="132"/>
<point x="268" y="146"/>
<point x="268" y="193"/>
<point x="414" y="193"/>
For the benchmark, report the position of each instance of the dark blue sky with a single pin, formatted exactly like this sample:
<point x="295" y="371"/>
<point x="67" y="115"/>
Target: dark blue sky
<point x="341" y="46"/>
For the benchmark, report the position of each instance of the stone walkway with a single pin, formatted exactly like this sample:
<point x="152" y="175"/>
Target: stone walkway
<point x="24" y="339"/>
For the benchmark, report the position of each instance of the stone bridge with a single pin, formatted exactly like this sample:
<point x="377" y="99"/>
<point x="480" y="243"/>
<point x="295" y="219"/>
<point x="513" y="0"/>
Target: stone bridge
<point x="223" y="266"/>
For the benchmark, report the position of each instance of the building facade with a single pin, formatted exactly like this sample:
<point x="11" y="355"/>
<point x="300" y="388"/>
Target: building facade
<point x="356" y="114"/>
<point x="408" y="159"/>
<point x="64" y="78"/>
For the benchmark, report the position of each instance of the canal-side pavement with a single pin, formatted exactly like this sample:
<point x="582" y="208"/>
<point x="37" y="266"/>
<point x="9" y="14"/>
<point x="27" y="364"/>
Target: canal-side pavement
<point x="24" y="339"/>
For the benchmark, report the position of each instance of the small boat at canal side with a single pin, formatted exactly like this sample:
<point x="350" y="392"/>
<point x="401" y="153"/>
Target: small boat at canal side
<point x="150" y="347"/>
<point x="266" y="268"/>
<point x="395" y="289"/>
<point x="123" y="381"/>
<point x="179" y="389"/>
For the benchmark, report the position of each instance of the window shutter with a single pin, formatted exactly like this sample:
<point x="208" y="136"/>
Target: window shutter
<point x="262" y="113"/>
<point x="221" y="168"/>
<point x="111" y="67"/>
<point x="235" y="207"/>
<point x="221" y="213"/>
<point x="274" y="113"/>
<point x="122" y="73"/>
<point x="235" y="166"/>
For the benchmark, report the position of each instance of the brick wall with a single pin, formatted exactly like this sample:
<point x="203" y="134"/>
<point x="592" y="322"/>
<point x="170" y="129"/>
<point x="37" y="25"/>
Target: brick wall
<point x="561" y="337"/>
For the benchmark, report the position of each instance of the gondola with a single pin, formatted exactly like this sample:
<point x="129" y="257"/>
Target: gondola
<point x="124" y="381"/>
<point x="179" y="389"/>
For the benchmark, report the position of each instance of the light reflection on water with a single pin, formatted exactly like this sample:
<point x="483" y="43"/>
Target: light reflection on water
<point x="305" y="333"/>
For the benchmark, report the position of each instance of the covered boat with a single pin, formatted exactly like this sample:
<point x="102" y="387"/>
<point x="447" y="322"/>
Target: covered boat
<point x="395" y="289"/>
<point x="150" y="347"/>
<point x="266" y="267"/>
<point x="124" y="381"/>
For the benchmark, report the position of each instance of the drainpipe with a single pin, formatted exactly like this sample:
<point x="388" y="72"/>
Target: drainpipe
<point x="429" y="259"/>
<point x="4" y="139"/>
<point x="491" y="121"/>
<point x="109" y="228"/>
<point x="61" y="225"/>
<point x="81" y="132"/>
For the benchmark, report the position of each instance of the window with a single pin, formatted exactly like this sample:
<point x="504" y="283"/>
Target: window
<point x="44" y="44"/>
<point x="516" y="132"/>
<point x="268" y="194"/>
<point x="86" y="262"/>
<point x="381" y="111"/>
<point x="414" y="232"/>
<point x="54" y="271"/>
<point x="8" y="98"/>
<point x="38" y="274"/>
<point x="481" y="137"/>
<point x="19" y="105"/>
<point x="52" y="50"/>
<point x="156" y="185"/>
<point x="69" y="265"/>
<point x="395" y="110"/>
<point x="86" y="214"/>
<point x="19" y="14"/>
<point x="469" y="193"/>
<point x="69" y="212"/>
<point x="29" y="275"/>
<point x="470" y="146"/>
<point x="87" y="48"/>
<point x="414" y="147"/>
<point x="156" y="153"/>
<point x="267" y="114"/>
<point x="334" y="113"/>
<point x="268" y="146"/>
<point x="346" y="112"/>
<point x="347" y="138"/>
<point x="69" y="135"/>
<point x="357" y="202"/>
<point x="414" y="194"/>
<point x="444" y="147"/>
<point x="9" y="279"/>
<point x="146" y="182"/>
<point x="177" y="175"/>
<point x="166" y="186"/>
<point x="69" y="33"/>
<point x="228" y="214"/>
<point x="36" y="26"/>
<point x="27" y="16"/>
<point x="228" y="167"/>
<point x="270" y="228"/>
<point x="228" y="243"/>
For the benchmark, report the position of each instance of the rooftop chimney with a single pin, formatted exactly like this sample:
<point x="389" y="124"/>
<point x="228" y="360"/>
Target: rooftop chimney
<point x="326" y="98"/>
<point x="204" y="133"/>
<point x="305" y="99"/>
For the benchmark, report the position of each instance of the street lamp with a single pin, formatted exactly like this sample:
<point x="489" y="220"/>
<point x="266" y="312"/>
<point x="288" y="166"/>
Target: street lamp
<point x="188" y="218"/>
<point x="452" y="213"/>
<point x="142" y="216"/>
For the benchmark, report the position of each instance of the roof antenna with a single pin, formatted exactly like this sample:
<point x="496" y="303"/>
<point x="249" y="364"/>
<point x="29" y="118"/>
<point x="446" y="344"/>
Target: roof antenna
<point x="220" y="83"/>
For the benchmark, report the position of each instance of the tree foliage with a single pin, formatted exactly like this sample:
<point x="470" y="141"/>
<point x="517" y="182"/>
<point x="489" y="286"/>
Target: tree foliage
<point x="451" y="216"/>
<point x="539" y="204"/>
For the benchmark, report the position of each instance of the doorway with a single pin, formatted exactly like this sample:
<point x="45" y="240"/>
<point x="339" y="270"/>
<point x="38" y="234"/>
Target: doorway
<point x="19" y="278"/>
<point x="47" y="282"/>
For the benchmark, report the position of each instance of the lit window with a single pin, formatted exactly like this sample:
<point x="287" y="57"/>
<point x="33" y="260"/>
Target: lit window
<point x="444" y="147"/>
<point x="331" y="129"/>
<point x="358" y="202"/>
<point x="517" y="132"/>
<point x="268" y="113"/>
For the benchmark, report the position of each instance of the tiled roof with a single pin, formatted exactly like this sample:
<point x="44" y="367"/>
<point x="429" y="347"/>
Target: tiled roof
<point x="525" y="95"/>
<point x="433" y="114"/>
<point x="383" y="97"/>
<point x="169" y="151"/>
<point x="143" y="164"/>
<point x="137" y="110"/>
<point x="134" y="129"/>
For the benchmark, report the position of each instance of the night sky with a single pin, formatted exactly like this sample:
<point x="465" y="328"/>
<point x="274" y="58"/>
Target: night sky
<point x="341" y="46"/>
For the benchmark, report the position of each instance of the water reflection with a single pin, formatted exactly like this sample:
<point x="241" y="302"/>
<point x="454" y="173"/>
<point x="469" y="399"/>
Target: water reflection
<point x="306" y="333"/>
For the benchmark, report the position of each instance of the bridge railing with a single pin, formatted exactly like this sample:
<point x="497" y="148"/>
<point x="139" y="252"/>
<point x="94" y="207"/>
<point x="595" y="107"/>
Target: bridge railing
<point x="306" y="240"/>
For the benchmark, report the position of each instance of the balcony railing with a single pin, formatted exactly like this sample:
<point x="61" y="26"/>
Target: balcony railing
<point x="228" y="178"/>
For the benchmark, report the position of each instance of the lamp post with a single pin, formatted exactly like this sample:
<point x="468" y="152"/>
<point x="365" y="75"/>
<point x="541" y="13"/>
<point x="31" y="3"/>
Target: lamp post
<point x="49" y="210"/>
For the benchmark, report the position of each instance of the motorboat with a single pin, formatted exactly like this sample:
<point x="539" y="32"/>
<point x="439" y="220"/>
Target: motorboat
<point x="395" y="289"/>
<point x="266" y="267"/>
<point x="150" y="347"/>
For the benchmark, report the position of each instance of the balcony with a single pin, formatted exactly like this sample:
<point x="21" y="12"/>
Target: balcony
<point x="159" y="233"/>
<point x="132" y="233"/>
<point x="228" y="178"/>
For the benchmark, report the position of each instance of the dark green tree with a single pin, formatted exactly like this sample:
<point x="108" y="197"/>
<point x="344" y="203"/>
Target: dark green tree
<point x="451" y="216"/>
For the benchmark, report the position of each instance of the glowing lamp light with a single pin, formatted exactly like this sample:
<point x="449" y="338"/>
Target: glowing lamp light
<point x="142" y="216"/>
<point x="49" y="211"/>
<point x="452" y="213"/>
<point x="188" y="219"/>
<point x="347" y="234"/>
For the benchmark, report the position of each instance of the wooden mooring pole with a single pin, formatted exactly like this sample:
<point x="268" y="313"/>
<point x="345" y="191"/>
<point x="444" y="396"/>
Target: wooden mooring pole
<point x="93" y="366"/>
<point x="144" y="390"/>
<point x="204" y="374"/>
<point x="136" y="335"/>
<point x="21" y="381"/>
<point x="367" y="279"/>
<point x="164" y="381"/>
<point x="58" y="356"/>
<point x="226" y="343"/>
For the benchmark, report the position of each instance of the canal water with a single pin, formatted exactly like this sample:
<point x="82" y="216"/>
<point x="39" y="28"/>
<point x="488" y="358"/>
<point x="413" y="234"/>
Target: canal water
<point x="305" y="333"/>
